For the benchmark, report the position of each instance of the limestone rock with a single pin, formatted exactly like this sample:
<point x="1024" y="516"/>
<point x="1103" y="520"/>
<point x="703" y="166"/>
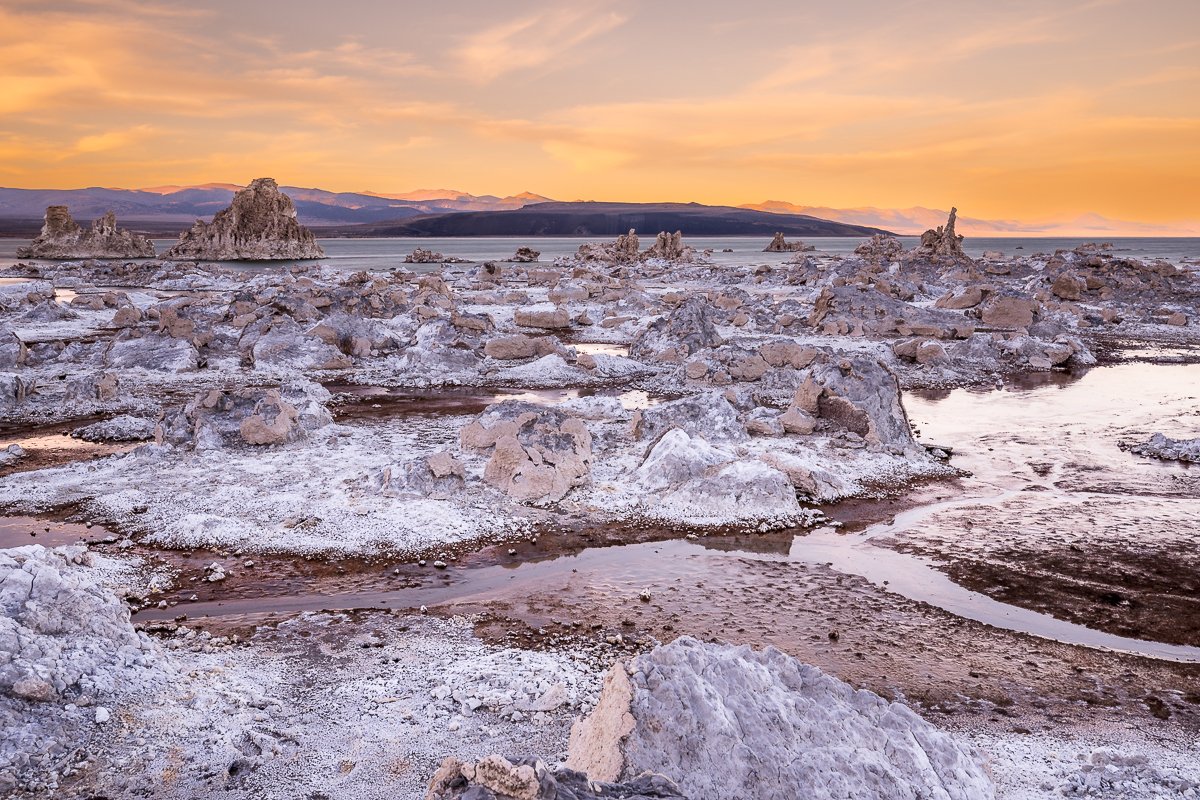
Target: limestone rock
<point x="525" y="255"/>
<point x="880" y="248"/>
<point x="498" y="778"/>
<point x="549" y="318"/>
<point x="625" y="250"/>
<point x="259" y="225"/>
<point x="217" y="419"/>
<point x="62" y="238"/>
<point x="1005" y="311"/>
<point x="709" y="416"/>
<point x="670" y="247"/>
<point x="538" y="454"/>
<point x="688" y="328"/>
<point x="781" y="245"/>
<point x="740" y="724"/>
<point x="943" y="242"/>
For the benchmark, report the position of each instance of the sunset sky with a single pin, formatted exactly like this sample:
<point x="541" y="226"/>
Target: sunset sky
<point x="1009" y="109"/>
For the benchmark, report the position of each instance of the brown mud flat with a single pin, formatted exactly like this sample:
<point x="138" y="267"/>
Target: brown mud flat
<point x="1142" y="591"/>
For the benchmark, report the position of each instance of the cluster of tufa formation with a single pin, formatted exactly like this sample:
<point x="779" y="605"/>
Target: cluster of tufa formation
<point x="701" y="721"/>
<point x="781" y="245"/>
<point x="63" y="238"/>
<point x="943" y="242"/>
<point x="259" y="225"/>
<point x="626" y="249"/>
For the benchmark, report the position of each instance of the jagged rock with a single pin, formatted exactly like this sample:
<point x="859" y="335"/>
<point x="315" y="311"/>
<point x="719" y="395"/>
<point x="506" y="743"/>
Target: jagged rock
<point x="420" y="255"/>
<point x="961" y="297"/>
<point x="1068" y="286"/>
<point x="781" y="245"/>
<point x="880" y="247"/>
<point x="708" y="415"/>
<point x="440" y="476"/>
<point x="738" y="724"/>
<point x="498" y="778"/>
<point x="151" y="352"/>
<point x="525" y="255"/>
<point x="625" y="250"/>
<point x="943" y="242"/>
<point x="670" y="247"/>
<point x="11" y="455"/>
<point x="217" y="419"/>
<point x="62" y="238"/>
<point x="1168" y="449"/>
<point x="538" y="453"/>
<point x="123" y="428"/>
<point x="684" y="331"/>
<point x="259" y="225"/>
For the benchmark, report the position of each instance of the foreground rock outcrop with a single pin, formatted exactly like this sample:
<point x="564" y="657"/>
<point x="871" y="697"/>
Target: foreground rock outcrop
<point x="66" y="648"/>
<point x="943" y="242"/>
<point x="735" y="723"/>
<point x="498" y="778"/>
<point x="259" y="225"/>
<point x="1164" y="447"/>
<point x="63" y="238"/>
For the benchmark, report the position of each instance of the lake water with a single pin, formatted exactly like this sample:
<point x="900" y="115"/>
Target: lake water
<point x="384" y="254"/>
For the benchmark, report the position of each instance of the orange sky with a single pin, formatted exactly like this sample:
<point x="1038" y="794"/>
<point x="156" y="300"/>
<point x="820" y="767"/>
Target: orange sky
<point x="1014" y="109"/>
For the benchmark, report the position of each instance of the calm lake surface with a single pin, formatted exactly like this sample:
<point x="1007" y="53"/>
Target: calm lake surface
<point x="383" y="254"/>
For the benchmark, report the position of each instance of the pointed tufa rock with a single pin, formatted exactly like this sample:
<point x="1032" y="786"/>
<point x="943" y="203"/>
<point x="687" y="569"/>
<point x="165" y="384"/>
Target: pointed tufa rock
<point x="943" y="242"/>
<point x="779" y="244"/>
<point x="259" y="225"/>
<point x="61" y="237"/>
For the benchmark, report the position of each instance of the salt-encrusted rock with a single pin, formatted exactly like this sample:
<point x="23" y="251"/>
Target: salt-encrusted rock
<point x="943" y="241"/>
<point x="538" y="454"/>
<point x="670" y="247"/>
<point x="499" y="778"/>
<point x="739" y="724"/>
<point x="259" y="225"/>
<point x="11" y="455"/>
<point x="1006" y="311"/>
<point x="547" y="318"/>
<point x="1168" y="449"/>
<point x="961" y="297"/>
<point x="440" y="476"/>
<point x="880" y="248"/>
<point x="122" y="428"/>
<point x="63" y="637"/>
<point x="216" y="419"/>
<point x="781" y="245"/>
<point x="525" y="255"/>
<point x="625" y="250"/>
<point x="62" y="238"/>
<point x="519" y="346"/>
<point x="151" y="351"/>
<point x="420" y="255"/>
<point x="683" y="331"/>
<point x="708" y="415"/>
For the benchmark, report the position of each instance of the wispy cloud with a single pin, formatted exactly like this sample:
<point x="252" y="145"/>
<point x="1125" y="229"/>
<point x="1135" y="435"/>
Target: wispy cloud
<point x="532" y="41"/>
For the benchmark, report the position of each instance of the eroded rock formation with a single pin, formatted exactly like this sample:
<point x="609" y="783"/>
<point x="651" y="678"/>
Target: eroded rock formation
<point x="781" y="245"/>
<point x="943" y="242"/>
<point x="259" y="225"/>
<point x="63" y="238"/>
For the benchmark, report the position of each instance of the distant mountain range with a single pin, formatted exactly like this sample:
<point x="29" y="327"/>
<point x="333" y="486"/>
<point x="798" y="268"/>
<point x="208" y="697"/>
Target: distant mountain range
<point x="610" y="219"/>
<point x="315" y="207"/>
<point x="165" y="210"/>
<point x="915" y="220"/>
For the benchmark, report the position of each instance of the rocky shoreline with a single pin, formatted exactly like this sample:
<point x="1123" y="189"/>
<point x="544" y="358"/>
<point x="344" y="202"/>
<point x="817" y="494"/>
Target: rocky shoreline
<point x="623" y="389"/>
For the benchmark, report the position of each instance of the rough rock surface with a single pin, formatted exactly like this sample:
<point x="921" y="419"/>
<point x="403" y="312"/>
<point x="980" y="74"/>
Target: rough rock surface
<point x="525" y="255"/>
<point x="779" y="244"/>
<point x="736" y="723"/>
<point x="943" y="242"/>
<point x="217" y="419"/>
<point x="537" y="454"/>
<point x="1168" y="449"/>
<point x="62" y="238"/>
<point x="625" y="250"/>
<point x="670" y="247"/>
<point x="498" y="778"/>
<point x="63" y="640"/>
<point x="259" y="225"/>
<point x="122" y="428"/>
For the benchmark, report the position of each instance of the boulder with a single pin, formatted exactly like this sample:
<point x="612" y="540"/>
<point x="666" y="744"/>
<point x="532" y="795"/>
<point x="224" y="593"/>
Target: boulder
<point x="880" y="248"/>
<point x="538" y="454"/>
<point x="739" y="724"/>
<point x="1168" y="449"/>
<point x="708" y="415"/>
<point x="625" y="250"/>
<point x="519" y="346"/>
<point x="254" y="416"/>
<point x="670" y="247"/>
<point x="689" y="328"/>
<point x="525" y="255"/>
<point x="1006" y="311"/>
<point x="62" y="238"/>
<point x="259" y="225"/>
<point x="549" y="318"/>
